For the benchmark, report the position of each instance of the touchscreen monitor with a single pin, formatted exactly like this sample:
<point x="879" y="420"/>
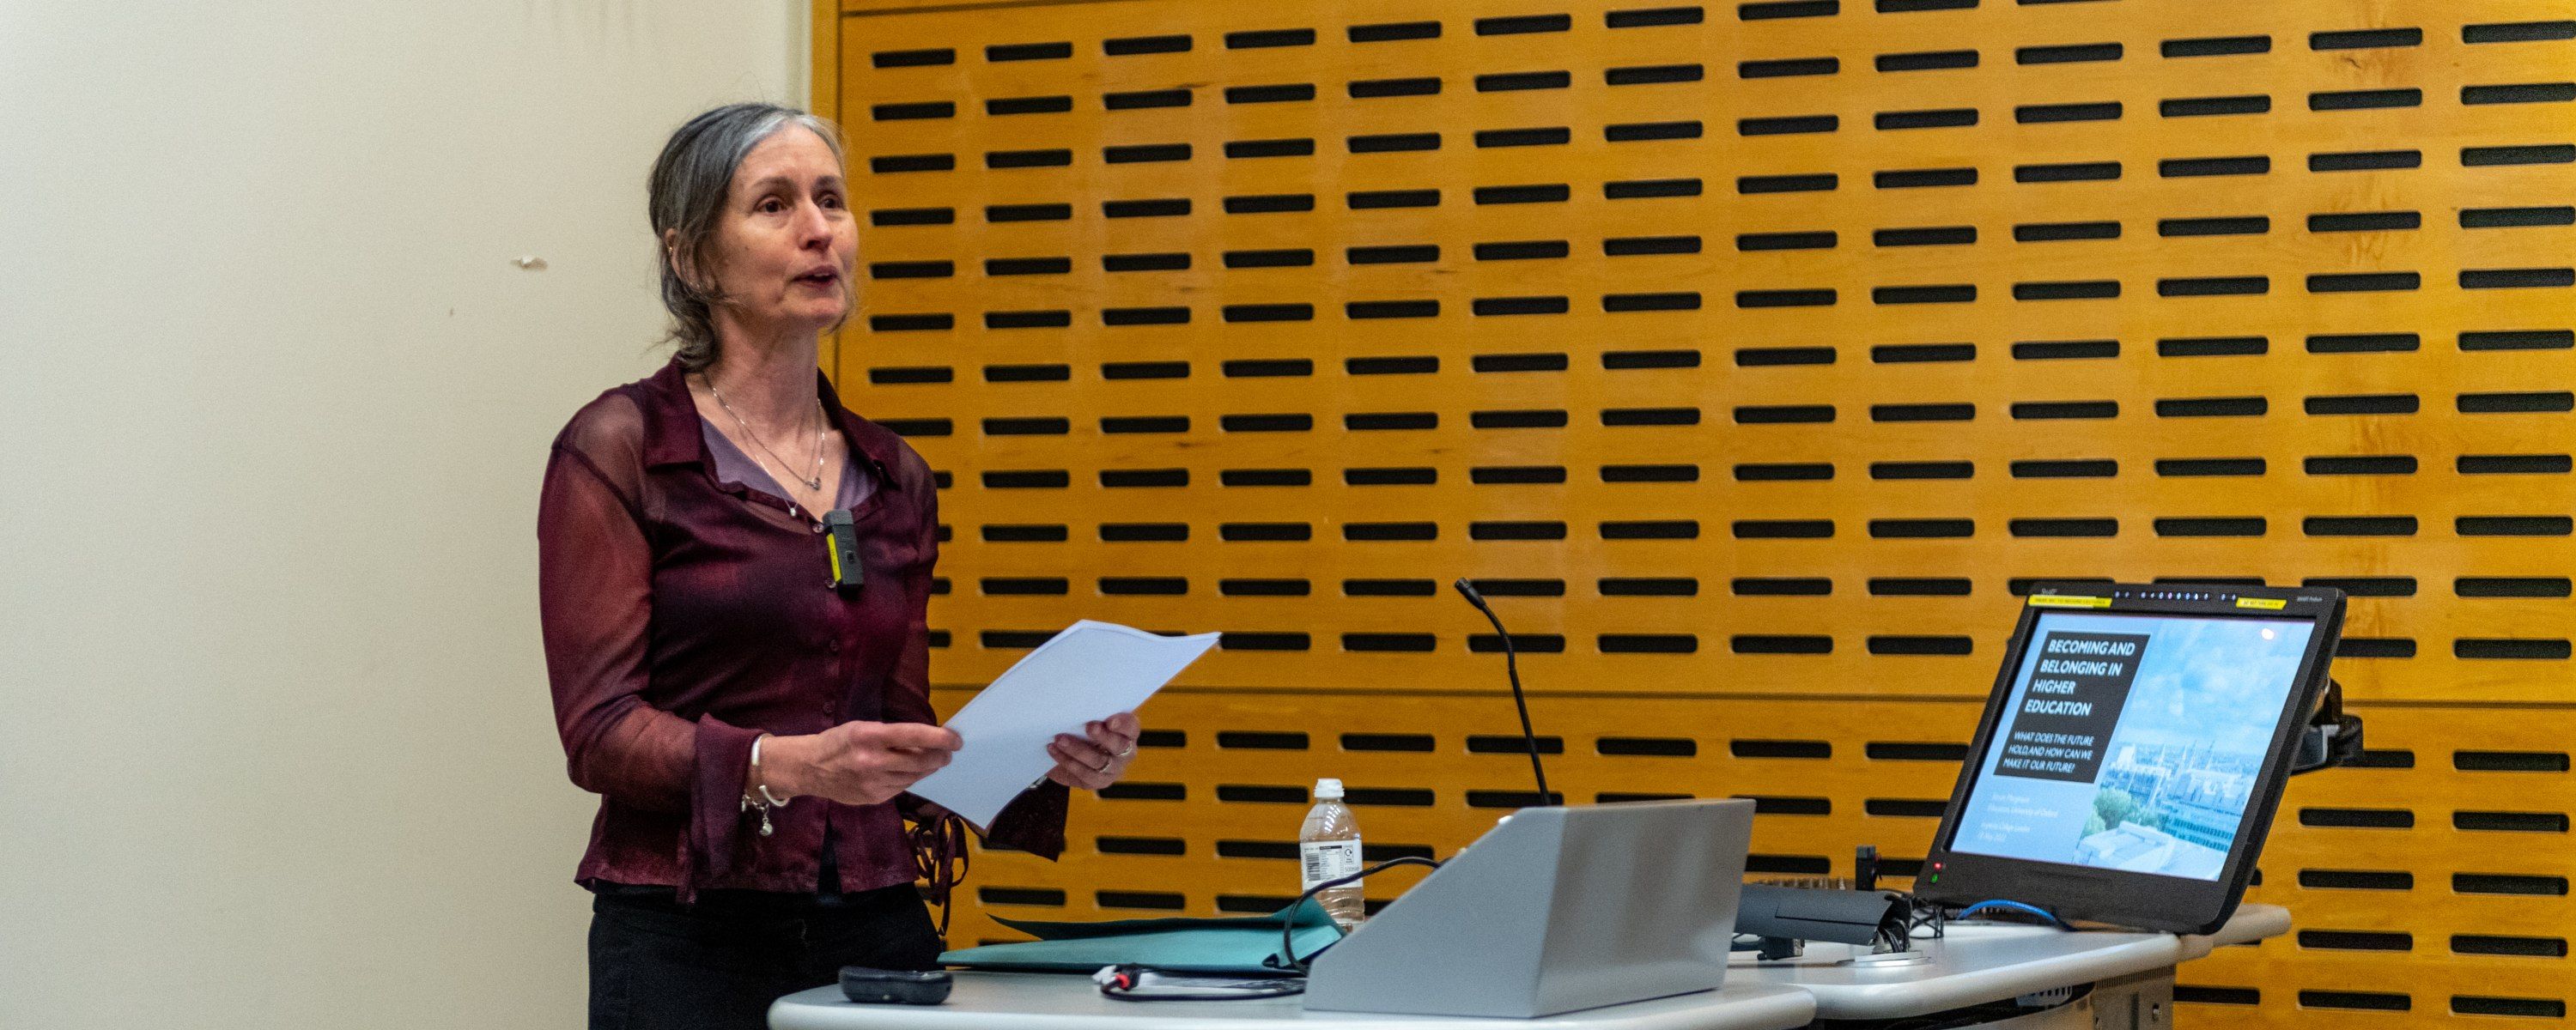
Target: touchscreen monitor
<point x="2135" y="739"/>
<point x="2134" y="742"/>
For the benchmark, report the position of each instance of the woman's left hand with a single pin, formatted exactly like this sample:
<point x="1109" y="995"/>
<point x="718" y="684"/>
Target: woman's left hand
<point x="1098" y="757"/>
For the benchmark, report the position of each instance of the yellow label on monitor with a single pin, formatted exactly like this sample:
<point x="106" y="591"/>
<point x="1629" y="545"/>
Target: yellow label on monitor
<point x="2264" y="603"/>
<point x="2063" y="601"/>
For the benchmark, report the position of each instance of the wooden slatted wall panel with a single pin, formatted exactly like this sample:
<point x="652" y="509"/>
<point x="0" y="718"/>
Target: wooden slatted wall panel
<point x="1751" y="355"/>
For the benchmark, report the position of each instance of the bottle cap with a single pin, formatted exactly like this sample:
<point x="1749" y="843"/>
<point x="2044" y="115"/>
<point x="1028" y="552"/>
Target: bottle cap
<point x="1328" y="789"/>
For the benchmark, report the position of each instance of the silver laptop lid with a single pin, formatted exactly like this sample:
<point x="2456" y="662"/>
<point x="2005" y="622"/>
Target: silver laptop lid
<point x="1555" y="910"/>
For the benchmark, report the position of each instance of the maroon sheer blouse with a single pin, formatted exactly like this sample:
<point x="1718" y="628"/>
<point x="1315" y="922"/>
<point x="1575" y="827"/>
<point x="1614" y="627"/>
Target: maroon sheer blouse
<point x="685" y="615"/>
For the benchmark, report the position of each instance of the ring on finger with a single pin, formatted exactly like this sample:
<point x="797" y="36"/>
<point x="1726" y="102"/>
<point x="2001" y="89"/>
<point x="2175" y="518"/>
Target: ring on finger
<point x="1104" y="767"/>
<point x="1131" y="749"/>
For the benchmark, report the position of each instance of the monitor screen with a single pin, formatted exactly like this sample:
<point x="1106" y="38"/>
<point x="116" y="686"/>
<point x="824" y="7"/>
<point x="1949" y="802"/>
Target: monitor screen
<point x="2133" y="741"/>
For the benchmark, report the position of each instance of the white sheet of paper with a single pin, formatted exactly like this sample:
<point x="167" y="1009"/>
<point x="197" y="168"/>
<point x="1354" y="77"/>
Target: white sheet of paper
<point x="1092" y="670"/>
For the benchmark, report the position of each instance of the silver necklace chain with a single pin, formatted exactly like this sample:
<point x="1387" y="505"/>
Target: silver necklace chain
<point x="814" y="482"/>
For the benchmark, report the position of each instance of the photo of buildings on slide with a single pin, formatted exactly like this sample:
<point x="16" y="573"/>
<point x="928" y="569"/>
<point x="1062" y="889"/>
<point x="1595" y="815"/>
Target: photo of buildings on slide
<point x="2171" y="810"/>
<point x="2182" y="765"/>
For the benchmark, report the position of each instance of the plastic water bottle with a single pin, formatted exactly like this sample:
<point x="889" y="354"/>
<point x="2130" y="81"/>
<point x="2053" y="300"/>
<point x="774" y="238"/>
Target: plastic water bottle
<point x="1329" y="847"/>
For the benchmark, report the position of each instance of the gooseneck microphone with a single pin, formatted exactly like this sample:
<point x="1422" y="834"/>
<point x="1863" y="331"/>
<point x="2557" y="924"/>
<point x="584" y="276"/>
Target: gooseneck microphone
<point x="1511" y="667"/>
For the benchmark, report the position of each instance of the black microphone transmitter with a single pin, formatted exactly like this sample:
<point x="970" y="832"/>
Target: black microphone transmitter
<point x="842" y="540"/>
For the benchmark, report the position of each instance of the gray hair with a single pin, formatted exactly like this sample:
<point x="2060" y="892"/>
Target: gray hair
<point x="687" y="194"/>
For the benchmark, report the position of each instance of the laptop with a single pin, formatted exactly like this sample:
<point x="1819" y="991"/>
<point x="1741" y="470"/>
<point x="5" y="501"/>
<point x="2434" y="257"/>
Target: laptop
<point x="1554" y="910"/>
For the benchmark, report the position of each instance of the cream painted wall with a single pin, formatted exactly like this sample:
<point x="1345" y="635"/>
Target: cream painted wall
<point x="274" y="742"/>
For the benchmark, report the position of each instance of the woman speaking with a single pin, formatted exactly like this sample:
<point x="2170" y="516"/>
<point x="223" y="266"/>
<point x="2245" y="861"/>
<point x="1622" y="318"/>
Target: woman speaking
<point x="750" y="711"/>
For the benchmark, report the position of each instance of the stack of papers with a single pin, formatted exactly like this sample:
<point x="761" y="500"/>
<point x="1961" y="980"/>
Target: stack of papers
<point x="1092" y="670"/>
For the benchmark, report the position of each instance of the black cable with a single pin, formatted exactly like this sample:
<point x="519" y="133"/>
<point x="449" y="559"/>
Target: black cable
<point x="1927" y="914"/>
<point x="1288" y="921"/>
<point x="1512" y="668"/>
<point x="2018" y="908"/>
<point x="939" y="856"/>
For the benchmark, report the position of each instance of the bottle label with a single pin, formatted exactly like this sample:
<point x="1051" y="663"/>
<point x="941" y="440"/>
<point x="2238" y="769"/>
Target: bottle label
<point x="1325" y="860"/>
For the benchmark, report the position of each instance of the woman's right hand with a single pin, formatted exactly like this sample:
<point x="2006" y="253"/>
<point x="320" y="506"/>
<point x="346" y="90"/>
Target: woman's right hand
<point x="856" y="763"/>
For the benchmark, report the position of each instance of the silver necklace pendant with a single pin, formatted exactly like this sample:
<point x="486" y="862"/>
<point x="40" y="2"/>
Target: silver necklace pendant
<point x="813" y="482"/>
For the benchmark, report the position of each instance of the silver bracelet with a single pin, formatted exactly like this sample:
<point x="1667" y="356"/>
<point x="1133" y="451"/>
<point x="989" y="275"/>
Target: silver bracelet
<point x="766" y="800"/>
<point x="765" y="795"/>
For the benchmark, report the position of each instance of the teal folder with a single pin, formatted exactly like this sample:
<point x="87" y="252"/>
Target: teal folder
<point x="1246" y="944"/>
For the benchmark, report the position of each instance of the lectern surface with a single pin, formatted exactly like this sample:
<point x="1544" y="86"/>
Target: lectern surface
<point x="1057" y="1001"/>
<point x="1983" y="962"/>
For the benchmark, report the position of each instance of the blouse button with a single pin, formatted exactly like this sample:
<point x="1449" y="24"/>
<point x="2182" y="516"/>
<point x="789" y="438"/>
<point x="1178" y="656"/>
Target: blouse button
<point x="836" y="647"/>
<point x="818" y="528"/>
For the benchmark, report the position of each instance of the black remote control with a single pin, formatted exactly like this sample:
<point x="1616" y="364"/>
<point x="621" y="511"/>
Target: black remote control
<point x="894" y="986"/>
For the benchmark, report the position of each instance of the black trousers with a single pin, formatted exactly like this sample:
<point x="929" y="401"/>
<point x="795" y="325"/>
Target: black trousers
<point x="717" y="964"/>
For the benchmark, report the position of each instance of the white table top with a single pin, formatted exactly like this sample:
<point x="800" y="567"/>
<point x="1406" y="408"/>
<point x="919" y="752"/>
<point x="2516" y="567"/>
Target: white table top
<point x="1976" y="963"/>
<point x="1066" y="1001"/>
<point x="1983" y="962"/>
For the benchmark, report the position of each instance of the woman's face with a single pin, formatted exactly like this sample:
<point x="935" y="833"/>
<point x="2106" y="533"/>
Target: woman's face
<point x="786" y="244"/>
